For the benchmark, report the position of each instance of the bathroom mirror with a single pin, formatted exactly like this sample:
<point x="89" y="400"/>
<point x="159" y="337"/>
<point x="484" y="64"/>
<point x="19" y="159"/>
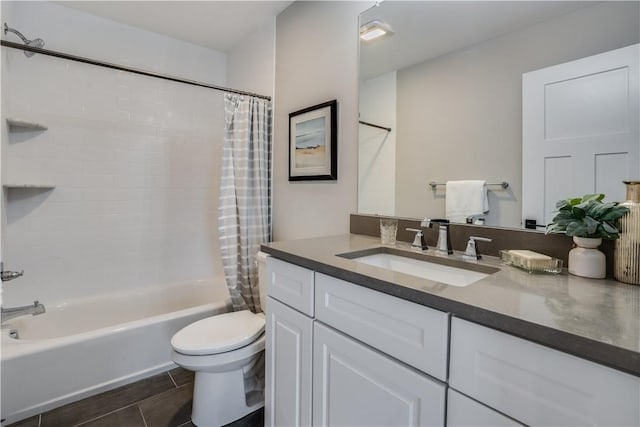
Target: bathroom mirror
<point x="447" y="80"/>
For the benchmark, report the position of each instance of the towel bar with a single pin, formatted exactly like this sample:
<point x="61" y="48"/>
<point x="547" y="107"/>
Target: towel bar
<point x="388" y="129"/>
<point x="503" y="184"/>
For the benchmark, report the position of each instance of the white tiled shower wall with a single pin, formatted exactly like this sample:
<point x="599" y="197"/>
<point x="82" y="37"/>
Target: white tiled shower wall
<point x="135" y="160"/>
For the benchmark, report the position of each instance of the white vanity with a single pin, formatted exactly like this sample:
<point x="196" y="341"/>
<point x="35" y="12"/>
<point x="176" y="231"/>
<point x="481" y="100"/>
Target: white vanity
<point x="340" y="353"/>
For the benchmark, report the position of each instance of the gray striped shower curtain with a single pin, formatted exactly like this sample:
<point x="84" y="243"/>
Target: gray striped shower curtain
<point x="244" y="213"/>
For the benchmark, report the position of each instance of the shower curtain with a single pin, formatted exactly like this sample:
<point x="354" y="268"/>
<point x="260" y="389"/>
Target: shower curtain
<point x="244" y="216"/>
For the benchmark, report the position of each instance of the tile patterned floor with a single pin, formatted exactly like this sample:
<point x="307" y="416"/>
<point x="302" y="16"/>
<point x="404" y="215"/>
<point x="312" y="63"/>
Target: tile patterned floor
<point x="163" y="400"/>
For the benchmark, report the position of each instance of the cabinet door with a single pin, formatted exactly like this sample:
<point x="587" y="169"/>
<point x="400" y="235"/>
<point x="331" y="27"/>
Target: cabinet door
<point x="465" y="412"/>
<point x="287" y="366"/>
<point x="354" y="385"/>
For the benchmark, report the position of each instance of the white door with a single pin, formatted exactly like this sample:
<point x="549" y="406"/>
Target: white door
<point x="354" y="385"/>
<point x="580" y="130"/>
<point x="287" y="366"/>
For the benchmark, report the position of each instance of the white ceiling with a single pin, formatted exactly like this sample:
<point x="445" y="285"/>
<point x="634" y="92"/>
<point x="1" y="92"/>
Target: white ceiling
<point x="425" y="30"/>
<point x="217" y="25"/>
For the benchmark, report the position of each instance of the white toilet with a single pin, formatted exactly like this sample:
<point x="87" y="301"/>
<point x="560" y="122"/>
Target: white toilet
<point x="222" y="350"/>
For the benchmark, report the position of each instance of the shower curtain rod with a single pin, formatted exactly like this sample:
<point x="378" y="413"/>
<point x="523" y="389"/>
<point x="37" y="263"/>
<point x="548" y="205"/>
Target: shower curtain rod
<point x="84" y="60"/>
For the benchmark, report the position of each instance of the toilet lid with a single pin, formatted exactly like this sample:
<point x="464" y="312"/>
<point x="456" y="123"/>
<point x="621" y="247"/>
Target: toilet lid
<point x="217" y="334"/>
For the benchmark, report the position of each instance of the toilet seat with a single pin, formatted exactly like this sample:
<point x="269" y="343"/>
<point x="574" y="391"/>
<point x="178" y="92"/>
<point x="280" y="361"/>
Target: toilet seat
<point x="221" y="362"/>
<point x="218" y="334"/>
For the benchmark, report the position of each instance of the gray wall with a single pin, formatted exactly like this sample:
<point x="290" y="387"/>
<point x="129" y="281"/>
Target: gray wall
<point x="250" y="64"/>
<point x="459" y="115"/>
<point x="316" y="61"/>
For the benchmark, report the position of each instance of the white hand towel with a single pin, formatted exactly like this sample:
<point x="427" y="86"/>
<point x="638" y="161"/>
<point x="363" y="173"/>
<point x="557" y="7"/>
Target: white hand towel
<point x="465" y="199"/>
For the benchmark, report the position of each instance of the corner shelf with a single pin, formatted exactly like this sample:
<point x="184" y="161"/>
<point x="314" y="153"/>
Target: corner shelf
<point x="30" y="186"/>
<point x="24" y="124"/>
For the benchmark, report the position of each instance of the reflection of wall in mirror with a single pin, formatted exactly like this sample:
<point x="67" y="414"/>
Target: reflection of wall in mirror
<point x="459" y="115"/>
<point x="377" y="147"/>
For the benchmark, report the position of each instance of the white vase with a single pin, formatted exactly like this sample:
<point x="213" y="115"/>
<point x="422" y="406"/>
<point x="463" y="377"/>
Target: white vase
<point x="586" y="260"/>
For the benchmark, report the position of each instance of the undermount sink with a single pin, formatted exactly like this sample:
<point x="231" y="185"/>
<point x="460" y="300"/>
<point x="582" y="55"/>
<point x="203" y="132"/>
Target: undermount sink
<point x="443" y="270"/>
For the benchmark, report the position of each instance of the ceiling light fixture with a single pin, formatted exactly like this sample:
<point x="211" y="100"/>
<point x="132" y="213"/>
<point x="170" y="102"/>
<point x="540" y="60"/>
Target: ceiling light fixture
<point x="374" y="30"/>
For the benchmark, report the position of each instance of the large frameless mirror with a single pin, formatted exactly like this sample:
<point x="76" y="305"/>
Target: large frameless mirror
<point x="446" y="80"/>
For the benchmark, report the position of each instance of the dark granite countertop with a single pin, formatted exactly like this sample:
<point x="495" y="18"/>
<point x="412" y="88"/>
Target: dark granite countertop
<point x="598" y="320"/>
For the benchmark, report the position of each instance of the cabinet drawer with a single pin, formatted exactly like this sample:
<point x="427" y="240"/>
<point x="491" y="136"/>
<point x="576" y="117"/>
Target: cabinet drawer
<point x="538" y="385"/>
<point x="354" y="385"/>
<point x="465" y="412"/>
<point x="412" y="333"/>
<point x="291" y="284"/>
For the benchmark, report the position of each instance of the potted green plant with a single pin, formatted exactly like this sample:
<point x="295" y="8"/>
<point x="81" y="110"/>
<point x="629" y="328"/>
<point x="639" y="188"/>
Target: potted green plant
<point x="588" y="220"/>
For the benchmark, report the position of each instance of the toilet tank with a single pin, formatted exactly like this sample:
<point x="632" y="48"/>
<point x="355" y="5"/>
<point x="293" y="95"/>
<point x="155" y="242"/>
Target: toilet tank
<point x="262" y="278"/>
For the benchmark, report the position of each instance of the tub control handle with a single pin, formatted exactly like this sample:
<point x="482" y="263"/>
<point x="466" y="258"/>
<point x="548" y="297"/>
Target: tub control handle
<point x="9" y="275"/>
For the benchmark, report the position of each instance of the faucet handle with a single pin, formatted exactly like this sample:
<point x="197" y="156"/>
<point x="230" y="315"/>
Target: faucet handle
<point x="418" y="241"/>
<point x="472" y="249"/>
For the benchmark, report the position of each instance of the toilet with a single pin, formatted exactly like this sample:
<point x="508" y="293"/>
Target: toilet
<point x="222" y="350"/>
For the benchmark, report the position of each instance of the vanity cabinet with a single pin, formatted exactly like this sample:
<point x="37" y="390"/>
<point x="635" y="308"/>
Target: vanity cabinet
<point x="537" y="385"/>
<point x="342" y="354"/>
<point x="318" y="374"/>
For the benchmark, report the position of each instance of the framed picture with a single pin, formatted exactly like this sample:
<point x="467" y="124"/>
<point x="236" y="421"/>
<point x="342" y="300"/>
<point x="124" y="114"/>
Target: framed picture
<point x="313" y="143"/>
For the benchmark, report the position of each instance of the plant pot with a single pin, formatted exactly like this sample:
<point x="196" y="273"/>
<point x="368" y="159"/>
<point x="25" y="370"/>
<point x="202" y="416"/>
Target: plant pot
<point x="585" y="260"/>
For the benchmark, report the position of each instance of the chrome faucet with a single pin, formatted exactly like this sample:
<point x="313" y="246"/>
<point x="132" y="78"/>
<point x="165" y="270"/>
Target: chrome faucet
<point x="444" y="240"/>
<point x="10" y="313"/>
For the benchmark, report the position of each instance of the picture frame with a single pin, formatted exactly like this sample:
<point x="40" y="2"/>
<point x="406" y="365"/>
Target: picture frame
<point x="313" y="143"/>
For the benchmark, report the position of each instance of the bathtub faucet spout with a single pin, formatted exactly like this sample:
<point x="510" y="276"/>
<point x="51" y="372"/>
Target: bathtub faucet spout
<point x="10" y="313"/>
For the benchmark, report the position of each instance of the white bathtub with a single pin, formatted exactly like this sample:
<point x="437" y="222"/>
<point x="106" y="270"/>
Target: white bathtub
<point x="85" y="346"/>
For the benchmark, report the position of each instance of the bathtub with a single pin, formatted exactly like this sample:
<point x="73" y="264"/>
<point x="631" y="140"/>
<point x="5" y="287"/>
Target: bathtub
<point x="82" y="347"/>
